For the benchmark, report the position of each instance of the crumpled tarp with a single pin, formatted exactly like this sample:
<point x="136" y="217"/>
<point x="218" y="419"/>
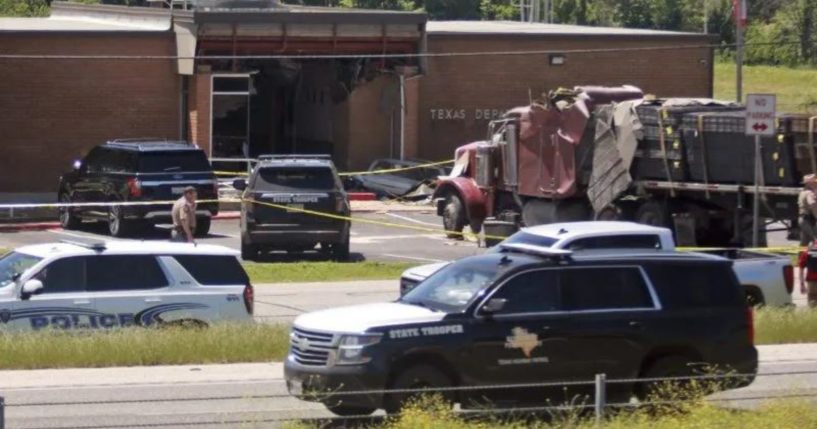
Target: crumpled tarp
<point x="618" y="131"/>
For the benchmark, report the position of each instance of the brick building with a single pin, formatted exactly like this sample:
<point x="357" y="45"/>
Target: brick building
<point x="242" y="81"/>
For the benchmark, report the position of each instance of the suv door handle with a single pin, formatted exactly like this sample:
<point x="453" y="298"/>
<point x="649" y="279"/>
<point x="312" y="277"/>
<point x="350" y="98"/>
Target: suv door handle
<point x="82" y="302"/>
<point x="153" y="299"/>
<point x="636" y="325"/>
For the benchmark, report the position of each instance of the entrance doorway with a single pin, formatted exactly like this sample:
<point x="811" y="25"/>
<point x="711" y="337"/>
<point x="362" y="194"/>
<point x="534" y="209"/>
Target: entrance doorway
<point x="230" y="121"/>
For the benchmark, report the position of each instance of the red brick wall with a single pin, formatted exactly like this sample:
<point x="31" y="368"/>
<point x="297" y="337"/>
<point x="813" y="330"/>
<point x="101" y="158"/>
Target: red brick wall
<point x="54" y="111"/>
<point x="199" y="110"/>
<point x="461" y="86"/>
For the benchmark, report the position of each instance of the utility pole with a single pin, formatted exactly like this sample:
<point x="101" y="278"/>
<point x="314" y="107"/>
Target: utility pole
<point x="739" y="7"/>
<point x="706" y="17"/>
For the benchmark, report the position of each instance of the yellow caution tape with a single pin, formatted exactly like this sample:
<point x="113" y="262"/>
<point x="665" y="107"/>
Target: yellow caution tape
<point x="355" y="173"/>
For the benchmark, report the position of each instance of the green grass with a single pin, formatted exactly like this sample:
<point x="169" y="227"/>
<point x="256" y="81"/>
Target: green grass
<point x="796" y="88"/>
<point x="432" y="414"/>
<point x="226" y="343"/>
<point x="784" y="326"/>
<point x="324" y="271"/>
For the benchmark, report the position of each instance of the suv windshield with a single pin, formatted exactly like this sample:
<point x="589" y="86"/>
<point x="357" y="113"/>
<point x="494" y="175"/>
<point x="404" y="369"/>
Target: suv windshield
<point x="294" y="178"/>
<point x="452" y="288"/>
<point x="523" y="237"/>
<point x="13" y="264"/>
<point x="170" y="161"/>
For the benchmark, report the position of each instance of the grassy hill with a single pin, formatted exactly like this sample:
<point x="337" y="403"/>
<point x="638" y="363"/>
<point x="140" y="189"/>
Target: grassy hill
<point x="796" y="88"/>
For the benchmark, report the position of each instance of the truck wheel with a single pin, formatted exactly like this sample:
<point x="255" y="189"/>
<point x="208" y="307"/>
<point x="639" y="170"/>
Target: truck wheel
<point x="653" y="213"/>
<point x="416" y="377"/>
<point x="118" y="226"/>
<point x="453" y="217"/>
<point x="754" y="297"/>
<point x="347" y="411"/>
<point x="203" y="226"/>
<point x="68" y="220"/>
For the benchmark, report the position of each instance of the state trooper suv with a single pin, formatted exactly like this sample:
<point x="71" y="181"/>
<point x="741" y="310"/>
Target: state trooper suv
<point x="524" y="315"/>
<point x="283" y="202"/>
<point x="93" y="285"/>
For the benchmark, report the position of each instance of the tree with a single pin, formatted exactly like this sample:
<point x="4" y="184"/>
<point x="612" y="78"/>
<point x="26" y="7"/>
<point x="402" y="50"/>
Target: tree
<point x="452" y="9"/>
<point x="24" y="8"/>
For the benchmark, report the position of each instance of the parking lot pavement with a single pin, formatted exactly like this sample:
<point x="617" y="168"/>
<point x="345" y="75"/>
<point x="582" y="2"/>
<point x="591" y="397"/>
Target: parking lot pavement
<point x="374" y="237"/>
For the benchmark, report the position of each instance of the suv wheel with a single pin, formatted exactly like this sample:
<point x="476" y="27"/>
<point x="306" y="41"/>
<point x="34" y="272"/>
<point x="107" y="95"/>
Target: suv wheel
<point x="667" y="367"/>
<point x="203" y="226"/>
<point x="118" y="226"/>
<point x="453" y="217"/>
<point x="416" y="377"/>
<point x="248" y="251"/>
<point x="68" y="220"/>
<point x="340" y="251"/>
<point x="347" y="411"/>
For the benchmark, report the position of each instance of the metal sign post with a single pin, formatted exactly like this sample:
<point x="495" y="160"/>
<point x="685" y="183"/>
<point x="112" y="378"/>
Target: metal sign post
<point x="760" y="122"/>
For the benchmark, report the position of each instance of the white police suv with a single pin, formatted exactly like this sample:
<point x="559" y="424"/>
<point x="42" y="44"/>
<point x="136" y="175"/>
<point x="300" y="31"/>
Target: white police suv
<point x="93" y="285"/>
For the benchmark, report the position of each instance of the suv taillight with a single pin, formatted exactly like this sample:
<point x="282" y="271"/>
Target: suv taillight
<point x="750" y="321"/>
<point x="788" y="277"/>
<point x="215" y="189"/>
<point x="340" y="204"/>
<point x="249" y="298"/>
<point x="134" y="187"/>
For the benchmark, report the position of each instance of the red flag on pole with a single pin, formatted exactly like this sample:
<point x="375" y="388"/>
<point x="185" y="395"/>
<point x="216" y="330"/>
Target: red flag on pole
<point x="740" y="12"/>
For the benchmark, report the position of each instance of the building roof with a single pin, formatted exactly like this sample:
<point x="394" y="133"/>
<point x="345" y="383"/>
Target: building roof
<point x="527" y="28"/>
<point x="73" y="17"/>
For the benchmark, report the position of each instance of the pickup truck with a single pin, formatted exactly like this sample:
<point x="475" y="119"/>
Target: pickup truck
<point x="767" y="278"/>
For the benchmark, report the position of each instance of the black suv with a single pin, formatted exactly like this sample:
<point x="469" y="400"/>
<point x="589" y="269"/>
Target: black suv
<point x="527" y="315"/>
<point x="280" y="188"/>
<point x="137" y="170"/>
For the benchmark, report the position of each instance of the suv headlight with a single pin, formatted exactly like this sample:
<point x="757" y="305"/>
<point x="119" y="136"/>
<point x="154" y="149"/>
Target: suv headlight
<point x="351" y="349"/>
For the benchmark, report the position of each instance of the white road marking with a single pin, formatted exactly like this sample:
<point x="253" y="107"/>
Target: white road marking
<point x="413" y="258"/>
<point x="408" y="219"/>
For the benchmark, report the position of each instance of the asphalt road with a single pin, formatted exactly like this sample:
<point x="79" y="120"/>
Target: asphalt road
<point x="369" y="241"/>
<point x="254" y="395"/>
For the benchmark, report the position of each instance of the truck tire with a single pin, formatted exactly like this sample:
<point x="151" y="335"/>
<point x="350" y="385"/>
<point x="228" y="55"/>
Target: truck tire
<point x="453" y="217"/>
<point x="654" y="213"/>
<point x="68" y="220"/>
<point x="542" y="212"/>
<point x="754" y="296"/>
<point x="347" y="411"/>
<point x="416" y="377"/>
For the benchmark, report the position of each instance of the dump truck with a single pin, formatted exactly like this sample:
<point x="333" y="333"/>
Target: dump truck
<point x="612" y="153"/>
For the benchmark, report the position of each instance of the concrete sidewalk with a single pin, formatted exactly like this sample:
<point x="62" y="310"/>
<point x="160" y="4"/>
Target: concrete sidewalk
<point x="250" y="372"/>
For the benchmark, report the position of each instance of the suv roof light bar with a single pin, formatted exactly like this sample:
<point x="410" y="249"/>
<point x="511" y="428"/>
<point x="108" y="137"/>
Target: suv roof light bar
<point x="285" y="157"/>
<point x="558" y="254"/>
<point x="95" y="245"/>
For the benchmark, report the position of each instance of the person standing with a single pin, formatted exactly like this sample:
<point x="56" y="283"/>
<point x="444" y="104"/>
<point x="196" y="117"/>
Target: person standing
<point x="807" y="210"/>
<point x="807" y="262"/>
<point x="184" y="216"/>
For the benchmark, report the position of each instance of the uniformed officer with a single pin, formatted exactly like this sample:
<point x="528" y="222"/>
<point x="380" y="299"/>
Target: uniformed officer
<point x="184" y="216"/>
<point x="807" y="210"/>
<point x="807" y="262"/>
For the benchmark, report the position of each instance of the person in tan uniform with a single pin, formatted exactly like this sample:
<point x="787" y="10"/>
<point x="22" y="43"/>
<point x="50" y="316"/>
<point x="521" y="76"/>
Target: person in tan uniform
<point x="807" y="210"/>
<point x="184" y="216"/>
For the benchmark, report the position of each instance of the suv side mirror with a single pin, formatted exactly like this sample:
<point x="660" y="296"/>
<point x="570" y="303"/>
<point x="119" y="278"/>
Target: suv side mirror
<point x="31" y="287"/>
<point x="494" y="305"/>
<point x="240" y="184"/>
